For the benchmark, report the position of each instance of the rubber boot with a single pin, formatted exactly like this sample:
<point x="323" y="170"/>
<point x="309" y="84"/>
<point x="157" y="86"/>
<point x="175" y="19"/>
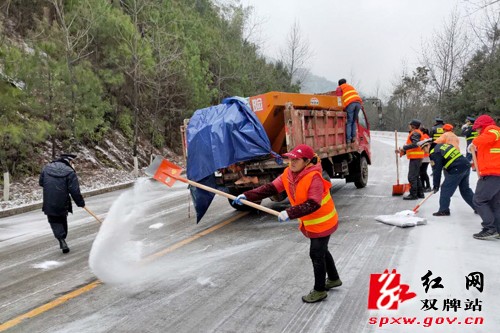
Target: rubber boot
<point x="63" y="246"/>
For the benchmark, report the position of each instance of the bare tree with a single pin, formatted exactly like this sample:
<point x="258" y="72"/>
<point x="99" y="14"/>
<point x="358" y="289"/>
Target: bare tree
<point x="76" y="41"/>
<point x="134" y="68"/>
<point x="295" y="55"/>
<point x="446" y="55"/>
<point x="483" y="4"/>
<point x="486" y="28"/>
<point x="161" y="85"/>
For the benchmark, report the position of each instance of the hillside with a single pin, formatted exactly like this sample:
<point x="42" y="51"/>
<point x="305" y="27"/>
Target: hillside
<point x="317" y="84"/>
<point x="115" y="79"/>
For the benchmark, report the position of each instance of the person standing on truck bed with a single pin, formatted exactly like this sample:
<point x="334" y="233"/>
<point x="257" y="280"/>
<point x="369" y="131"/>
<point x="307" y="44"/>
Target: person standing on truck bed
<point x="415" y="154"/>
<point x="352" y="104"/>
<point x="313" y="205"/>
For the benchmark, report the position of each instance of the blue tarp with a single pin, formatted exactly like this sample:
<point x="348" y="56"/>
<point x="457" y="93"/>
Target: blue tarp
<point x="217" y="137"/>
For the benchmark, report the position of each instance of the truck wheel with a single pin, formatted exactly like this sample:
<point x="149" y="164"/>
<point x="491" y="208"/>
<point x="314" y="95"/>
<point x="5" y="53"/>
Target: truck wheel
<point x="362" y="180"/>
<point x="243" y="208"/>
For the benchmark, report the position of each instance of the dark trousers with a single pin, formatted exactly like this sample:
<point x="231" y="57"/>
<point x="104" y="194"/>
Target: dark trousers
<point x="352" y="115"/>
<point x="414" y="177"/>
<point x="322" y="262"/>
<point x="424" y="177"/>
<point x="487" y="202"/>
<point x="59" y="225"/>
<point x="450" y="184"/>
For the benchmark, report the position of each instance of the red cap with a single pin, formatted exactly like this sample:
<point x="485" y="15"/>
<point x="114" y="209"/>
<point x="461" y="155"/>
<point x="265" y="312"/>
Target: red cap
<point x="448" y="127"/>
<point x="301" y="151"/>
<point x="483" y="121"/>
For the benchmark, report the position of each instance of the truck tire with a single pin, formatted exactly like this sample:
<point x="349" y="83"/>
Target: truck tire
<point x="362" y="179"/>
<point x="243" y="208"/>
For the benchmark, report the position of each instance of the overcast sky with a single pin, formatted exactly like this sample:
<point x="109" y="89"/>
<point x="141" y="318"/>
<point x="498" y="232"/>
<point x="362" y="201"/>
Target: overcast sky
<point x="364" y="41"/>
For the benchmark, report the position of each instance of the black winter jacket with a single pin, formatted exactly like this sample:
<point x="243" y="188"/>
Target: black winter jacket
<point x="59" y="180"/>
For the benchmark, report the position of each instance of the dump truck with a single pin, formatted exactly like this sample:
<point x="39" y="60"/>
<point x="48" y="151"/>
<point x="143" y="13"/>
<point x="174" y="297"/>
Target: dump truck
<point x="290" y="119"/>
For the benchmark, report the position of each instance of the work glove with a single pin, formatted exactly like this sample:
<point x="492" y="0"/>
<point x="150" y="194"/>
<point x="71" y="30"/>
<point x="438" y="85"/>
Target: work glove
<point x="435" y="189"/>
<point x="237" y="200"/>
<point x="283" y="216"/>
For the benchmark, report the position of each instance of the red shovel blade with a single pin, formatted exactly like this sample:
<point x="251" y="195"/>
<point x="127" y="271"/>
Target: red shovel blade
<point x="164" y="171"/>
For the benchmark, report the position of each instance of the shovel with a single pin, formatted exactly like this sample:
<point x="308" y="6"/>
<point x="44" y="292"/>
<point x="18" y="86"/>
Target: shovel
<point x="415" y="210"/>
<point x="398" y="189"/>
<point x="168" y="173"/>
<point x="93" y="215"/>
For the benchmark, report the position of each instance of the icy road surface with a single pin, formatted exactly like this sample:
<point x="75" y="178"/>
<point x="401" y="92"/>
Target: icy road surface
<point x="237" y="272"/>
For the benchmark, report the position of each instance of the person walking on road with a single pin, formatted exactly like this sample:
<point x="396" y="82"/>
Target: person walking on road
<point x="487" y="196"/>
<point x="456" y="174"/>
<point x="469" y="134"/>
<point x="448" y="137"/>
<point x="313" y="206"/>
<point x="59" y="181"/>
<point x="352" y="104"/>
<point x="415" y="155"/>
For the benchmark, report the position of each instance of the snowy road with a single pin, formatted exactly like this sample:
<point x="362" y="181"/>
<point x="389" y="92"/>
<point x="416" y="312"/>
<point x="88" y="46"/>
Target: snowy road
<point x="238" y="272"/>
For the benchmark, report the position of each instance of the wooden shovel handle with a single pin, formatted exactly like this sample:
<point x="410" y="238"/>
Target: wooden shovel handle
<point x="421" y="202"/>
<point x="227" y="195"/>
<point x="88" y="211"/>
<point x="397" y="157"/>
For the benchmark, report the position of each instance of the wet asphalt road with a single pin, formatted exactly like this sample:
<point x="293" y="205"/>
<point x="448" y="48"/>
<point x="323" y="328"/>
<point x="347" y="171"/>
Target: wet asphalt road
<point x="247" y="276"/>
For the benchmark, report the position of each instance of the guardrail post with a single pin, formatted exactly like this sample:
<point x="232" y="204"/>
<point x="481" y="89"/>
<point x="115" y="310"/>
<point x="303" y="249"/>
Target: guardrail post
<point x="6" y="186"/>
<point x="136" y="167"/>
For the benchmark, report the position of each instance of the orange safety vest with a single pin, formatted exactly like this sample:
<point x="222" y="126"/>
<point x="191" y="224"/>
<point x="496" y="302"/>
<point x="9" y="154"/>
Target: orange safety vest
<point x="425" y="136"/>
<point x="488" y="151"/>
<point x="349" y="95"/>
<point x="323" y="221"/>
<point x="417" y="152"/>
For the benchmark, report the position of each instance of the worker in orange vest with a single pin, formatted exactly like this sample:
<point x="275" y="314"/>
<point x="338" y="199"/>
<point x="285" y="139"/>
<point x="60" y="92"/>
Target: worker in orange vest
<point x="448" y="137"/>
<point x="487" y="194"/>
<point x="415" y="155"/>
<point x="313" y="206"/>
<point x="352" y="104"/>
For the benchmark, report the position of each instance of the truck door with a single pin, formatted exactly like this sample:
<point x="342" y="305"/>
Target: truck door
<point x="363" y="131"/>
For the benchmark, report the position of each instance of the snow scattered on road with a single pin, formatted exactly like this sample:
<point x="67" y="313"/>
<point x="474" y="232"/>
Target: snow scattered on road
<point x="156" y="226"/>
<point x="47" y="264"/>
<point x="205" y="281"/>
<point x="114" y="257"/>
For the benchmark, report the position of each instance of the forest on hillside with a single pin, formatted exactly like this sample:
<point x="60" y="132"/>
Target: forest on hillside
<point x="458" y="73"/>
<point x="74" y="71"/>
